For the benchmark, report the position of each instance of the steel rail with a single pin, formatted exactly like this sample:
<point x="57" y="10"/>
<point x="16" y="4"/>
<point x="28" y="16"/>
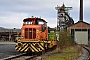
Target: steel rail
<point x="13" y="57"/>
<point x="16" y="57"/>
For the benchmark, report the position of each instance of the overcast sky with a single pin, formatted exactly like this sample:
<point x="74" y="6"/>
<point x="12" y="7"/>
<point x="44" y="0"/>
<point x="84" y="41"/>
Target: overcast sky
<point x="12" y="12"/>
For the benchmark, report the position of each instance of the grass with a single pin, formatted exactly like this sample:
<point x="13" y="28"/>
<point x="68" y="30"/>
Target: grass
<point x="55" y="58"/>
<point x="70" y="53"/>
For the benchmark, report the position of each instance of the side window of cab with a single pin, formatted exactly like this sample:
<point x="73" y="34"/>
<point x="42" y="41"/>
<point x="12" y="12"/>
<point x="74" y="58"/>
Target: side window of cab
<point x="44" y="26"/>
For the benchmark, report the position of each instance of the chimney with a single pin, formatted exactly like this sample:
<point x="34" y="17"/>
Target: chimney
<point x="81" y="10"/>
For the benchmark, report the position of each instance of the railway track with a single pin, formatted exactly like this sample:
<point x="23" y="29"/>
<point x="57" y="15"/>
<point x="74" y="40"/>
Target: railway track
<point x="29" y="57"/>
<point x="89" y="58"/>
<point x="85" y="53"/>
<point x="20" y="57"/>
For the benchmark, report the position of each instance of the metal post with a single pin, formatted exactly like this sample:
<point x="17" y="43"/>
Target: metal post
<point x="9" y="35"/>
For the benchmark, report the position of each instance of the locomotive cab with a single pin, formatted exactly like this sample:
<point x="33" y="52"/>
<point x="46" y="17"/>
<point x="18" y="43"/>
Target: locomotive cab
<point x="34" y="29"/>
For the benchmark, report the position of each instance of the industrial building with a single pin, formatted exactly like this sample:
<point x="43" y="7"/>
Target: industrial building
<point x="80" y="31"/>
<point x="7" y="34"/>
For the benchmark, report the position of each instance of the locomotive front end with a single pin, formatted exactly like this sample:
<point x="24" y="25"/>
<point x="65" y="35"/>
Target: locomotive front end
<point x="34" y="36"/>
<point x="34" y="33"/>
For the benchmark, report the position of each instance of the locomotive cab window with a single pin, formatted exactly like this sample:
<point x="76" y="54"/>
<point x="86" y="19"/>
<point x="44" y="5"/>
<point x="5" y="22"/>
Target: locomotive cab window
<point x="27" y="22"/>
<point x="40" y="22"/>
<point x="44" y="27"/>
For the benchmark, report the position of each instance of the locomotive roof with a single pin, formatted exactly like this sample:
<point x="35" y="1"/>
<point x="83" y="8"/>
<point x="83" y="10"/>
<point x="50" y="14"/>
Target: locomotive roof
<point x="27" y="19"/>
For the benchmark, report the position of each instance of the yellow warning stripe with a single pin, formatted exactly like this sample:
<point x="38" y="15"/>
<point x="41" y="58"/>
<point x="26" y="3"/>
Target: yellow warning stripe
<point x="31" y="48"/>
<point x="25" y="47"/>
<point x="34" y="48"/>
<point x="40" y="46"/>
<point x="16" y="47"/>
<point x="34" y="44"/>
<point x="25" y="50"/>
<point x="39" y="49"/>
<point x="19" y="49"/>
<point x="24" y="44"/>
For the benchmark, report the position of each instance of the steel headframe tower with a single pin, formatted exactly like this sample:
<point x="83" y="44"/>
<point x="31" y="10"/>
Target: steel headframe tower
<point x="61" y="17"/>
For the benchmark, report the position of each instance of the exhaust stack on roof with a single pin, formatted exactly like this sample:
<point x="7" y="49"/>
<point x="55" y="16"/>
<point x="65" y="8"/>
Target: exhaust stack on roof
<point x="81" y="10"/>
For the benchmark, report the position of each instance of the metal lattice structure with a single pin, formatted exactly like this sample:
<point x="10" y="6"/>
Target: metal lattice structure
<point x="63" y="17"/>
